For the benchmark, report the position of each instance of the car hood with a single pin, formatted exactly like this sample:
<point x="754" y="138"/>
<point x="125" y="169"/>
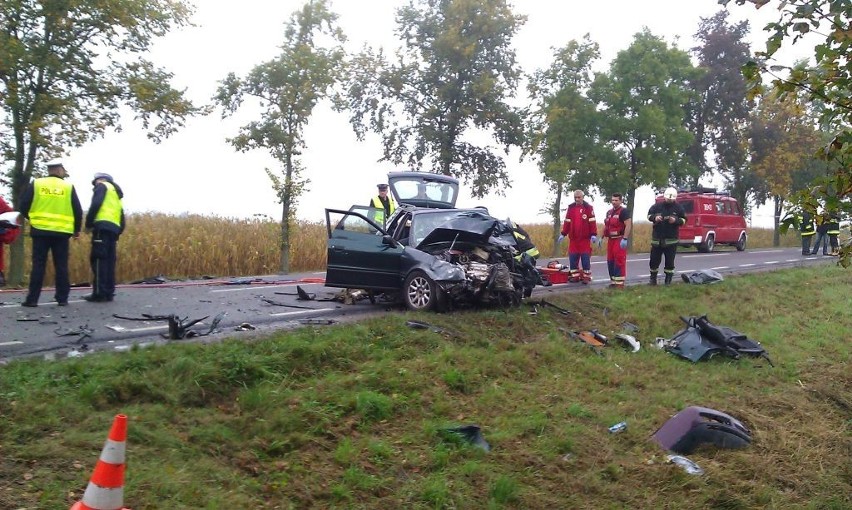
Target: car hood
<point x="472" y="227"/>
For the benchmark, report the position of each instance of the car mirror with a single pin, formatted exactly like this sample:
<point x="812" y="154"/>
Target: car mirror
<point x="390" y="241"/>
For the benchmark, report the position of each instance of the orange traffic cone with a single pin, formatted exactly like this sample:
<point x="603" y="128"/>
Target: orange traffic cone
<point x="106" y="487"/>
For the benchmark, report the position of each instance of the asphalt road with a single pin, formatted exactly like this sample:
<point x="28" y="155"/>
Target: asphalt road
<point x="268" y="303"/>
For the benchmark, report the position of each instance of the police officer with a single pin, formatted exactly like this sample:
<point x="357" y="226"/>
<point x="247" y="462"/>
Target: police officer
<point x="105" y="221"/>
<point x="55" y="215"/>
<point x="667" y="217"/>
<point x="807" y="231"/>
<point x="383" y="201"/>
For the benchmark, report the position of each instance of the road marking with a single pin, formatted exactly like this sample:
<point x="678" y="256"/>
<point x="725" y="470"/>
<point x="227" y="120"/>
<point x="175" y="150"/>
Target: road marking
<point x="720" y="267"/>
<point x="253" y="287"/>
<point x="16" y="342"/>
<point x="704" y="255"/>
<point x="149" y="328"/>
<point x="318" y="310"/>
<point x="792" y="260"/>
<point x="764" y="251"/>
<point x="320" y="272"/>
<point x="747" y="265"/>
<point x="772" y="261"/>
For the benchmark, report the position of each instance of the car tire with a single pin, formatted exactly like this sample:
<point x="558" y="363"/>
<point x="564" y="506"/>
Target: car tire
<point x="708" y="245"/>
<point x="741" y="244"/>
<point x="421" y="293"/>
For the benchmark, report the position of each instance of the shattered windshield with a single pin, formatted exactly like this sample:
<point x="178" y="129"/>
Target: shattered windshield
<point x="424" y="224"/>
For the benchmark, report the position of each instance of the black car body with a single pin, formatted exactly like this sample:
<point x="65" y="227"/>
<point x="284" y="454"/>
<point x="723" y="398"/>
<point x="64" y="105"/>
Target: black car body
<point x="437" y="258"/>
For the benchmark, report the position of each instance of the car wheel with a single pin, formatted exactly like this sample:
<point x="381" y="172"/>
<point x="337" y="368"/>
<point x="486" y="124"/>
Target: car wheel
<point x="421" y="292"/>
<point x="741" y="244"/>
<point x="708" y="245"/>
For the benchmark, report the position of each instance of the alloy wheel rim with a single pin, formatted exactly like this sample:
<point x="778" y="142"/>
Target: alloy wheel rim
<point x="419" y="292"/>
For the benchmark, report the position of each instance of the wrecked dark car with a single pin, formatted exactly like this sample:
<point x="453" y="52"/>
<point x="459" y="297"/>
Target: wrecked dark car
<point x="435" y="258"/>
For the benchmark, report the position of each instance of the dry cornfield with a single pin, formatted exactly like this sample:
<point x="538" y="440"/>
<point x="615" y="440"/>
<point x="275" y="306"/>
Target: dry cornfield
<point x="193" y="246"/>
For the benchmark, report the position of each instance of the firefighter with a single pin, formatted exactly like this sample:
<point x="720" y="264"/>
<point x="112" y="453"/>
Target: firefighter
<point x="55" y="215"/>
<point x="105" y="220"/>
<point x="384" y="202"/>
<point x="581" y="229"/>
<point x="807" y="230"/>
<point x="523" y="240"/>
<point x="667" y="217"/>
<point x="833" y="231"/>
<point x="617" y="229"/>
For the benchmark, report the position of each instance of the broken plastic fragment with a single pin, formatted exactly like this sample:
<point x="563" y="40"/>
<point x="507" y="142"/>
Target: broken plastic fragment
<point x="470" y="433"/>
<point x="629" y="340"/>
<point x="690" y="467"/>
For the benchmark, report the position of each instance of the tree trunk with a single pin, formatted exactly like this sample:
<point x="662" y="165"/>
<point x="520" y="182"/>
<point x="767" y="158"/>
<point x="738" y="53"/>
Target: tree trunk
<point x="15" y="275"/>
<point x="776" y="234"/>
<point x="631" y="197"/>
<point x="557" y="220"/>
<point x="286" y="200"/>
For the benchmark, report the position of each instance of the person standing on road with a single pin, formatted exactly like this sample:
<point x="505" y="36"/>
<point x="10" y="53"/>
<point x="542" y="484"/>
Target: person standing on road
<point x="617" y="229"/>
<point x="580" y="226"/>
<point x="7" y="236"/>
<point x="821" y="234"/>
<point x="832" y="229"/>
<point x="55" y="215"/>
<point x="105" y="221"/>
<point x="807" y="231"/>
<point x="384" y="202"/>
<point x="667" y="217"/>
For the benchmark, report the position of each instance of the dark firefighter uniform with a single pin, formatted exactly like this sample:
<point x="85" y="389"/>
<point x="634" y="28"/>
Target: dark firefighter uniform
<point x="807" y="230"/>
<point x="105" y="219"/>
<point x="524" y="241"/>
<point x="55" y="215"/>
<point x="833" y="231"/>
<point x="667" y="217"/>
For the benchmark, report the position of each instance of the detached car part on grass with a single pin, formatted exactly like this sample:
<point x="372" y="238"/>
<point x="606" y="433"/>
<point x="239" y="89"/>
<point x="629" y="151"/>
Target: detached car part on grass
<point x="695" y="426"/>
<point x="434" y="258"/>
<point x="701" y="340"/>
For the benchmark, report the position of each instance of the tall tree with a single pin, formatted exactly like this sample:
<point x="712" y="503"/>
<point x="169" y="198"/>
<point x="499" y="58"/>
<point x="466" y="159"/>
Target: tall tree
<point x="720" y="118"/>
<point x="828" y="81"/>
<point x="563" y="123"/>
<point x="65" y="70"/>
<point x="287" y="89"/>
<point x="453" y="75"/>
<point x="784" y="137"/>
<point x="643" y="98"/>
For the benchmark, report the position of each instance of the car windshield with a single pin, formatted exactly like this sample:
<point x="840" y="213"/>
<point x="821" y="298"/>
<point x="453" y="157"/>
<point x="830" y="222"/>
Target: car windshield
<point x="416" y="189"/>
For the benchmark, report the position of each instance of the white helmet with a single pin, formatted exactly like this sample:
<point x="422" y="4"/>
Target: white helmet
<point x="670" y="194"/>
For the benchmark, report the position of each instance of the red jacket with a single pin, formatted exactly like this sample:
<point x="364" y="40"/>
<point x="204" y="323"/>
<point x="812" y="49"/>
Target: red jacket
<point x="12" y="233"/>
<point x="579" y="226"/>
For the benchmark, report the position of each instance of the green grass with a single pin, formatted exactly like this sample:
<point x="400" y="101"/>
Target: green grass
<point x="351" y="416"/>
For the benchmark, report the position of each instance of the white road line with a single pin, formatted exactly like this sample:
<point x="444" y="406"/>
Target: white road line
<point x="720" y="267"/>
<point x="792" y="260"/>
<point x="764" y="251"/>
<point x="772" y="261"/>
<point x="253" y="288"/>
<point x="149" y="328"/>
<point x="16" y="342"/>
<point x="747" y="265"/>
<point x="320" y="272"/>
<point x="705" y="255"/>
<point x="300" y="312"/>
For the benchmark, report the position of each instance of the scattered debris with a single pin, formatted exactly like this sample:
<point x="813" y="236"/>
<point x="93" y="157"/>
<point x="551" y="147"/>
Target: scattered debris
<point x="690" y="467"/>
<point x="301" y="293"/>
<point x="618" y="427"/>
<point x="83" y="332"/>
<point x="245" y="326"/>
<point x="547" y="304"/>
<point x="702" y="340"/>
<point x="704" y="276"/>
<point x="178" y="328"/>
<point x="629" y="340"/>
<point x="27" y="319"/>
<point x="472" y="434"/>
<point x="318" y="322"/>
<point x="115" y="328"/>
<point x="592" y="337"/>
<point x="277" y="303"/>
<point x="629" y="326"/>
<point x="695" y="425"/>
<point x="151" y="280"/>
<point x="242" y="281"/>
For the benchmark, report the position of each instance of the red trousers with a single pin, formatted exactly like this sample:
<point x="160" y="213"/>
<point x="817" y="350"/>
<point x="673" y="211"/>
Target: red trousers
<point x="616" y="261"/>
<point x="7" y="238"/>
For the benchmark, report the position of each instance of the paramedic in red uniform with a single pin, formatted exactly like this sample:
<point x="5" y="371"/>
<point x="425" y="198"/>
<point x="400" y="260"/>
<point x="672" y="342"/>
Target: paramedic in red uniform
<point x="617" y="229"/>
<point x="581" y="228"/>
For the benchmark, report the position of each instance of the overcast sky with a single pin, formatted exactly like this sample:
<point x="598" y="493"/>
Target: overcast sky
<point x="196" y="171"/>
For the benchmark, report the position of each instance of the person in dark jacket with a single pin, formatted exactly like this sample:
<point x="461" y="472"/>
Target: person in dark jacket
<point x="667" y="217"/>
<point x="832" y="229"/>
<point x="55" y="215"/>
<point x="821" y="234"/>
<point x="806" y="228"/>
<point x="105" y="221"/>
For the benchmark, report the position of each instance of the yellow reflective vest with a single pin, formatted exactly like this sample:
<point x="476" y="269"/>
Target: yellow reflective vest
<point x="377" y="203"/>
<point x="52" y="209"/>
<point x="110" y="209"/>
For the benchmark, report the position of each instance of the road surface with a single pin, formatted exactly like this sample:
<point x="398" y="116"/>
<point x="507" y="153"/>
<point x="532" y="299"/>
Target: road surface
<point x="268" y="303"/>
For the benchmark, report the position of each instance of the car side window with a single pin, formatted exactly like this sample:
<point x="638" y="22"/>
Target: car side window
<point x="687" y="206"/>
<point x="735" y="208"/>
<point x="720" y="207"/>
<point x="728" y="209"/>
<point x="355" y="223"/>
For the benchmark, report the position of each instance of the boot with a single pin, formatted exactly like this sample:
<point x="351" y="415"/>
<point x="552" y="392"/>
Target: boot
<point x="653" y="278"/>
<point x="669" y="278"/>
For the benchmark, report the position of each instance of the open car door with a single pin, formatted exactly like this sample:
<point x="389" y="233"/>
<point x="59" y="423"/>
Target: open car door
<point x="360" y="253"/>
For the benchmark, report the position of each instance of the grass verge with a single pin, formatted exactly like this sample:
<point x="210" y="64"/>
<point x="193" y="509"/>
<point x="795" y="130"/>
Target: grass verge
<point x="352" y="416"/>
